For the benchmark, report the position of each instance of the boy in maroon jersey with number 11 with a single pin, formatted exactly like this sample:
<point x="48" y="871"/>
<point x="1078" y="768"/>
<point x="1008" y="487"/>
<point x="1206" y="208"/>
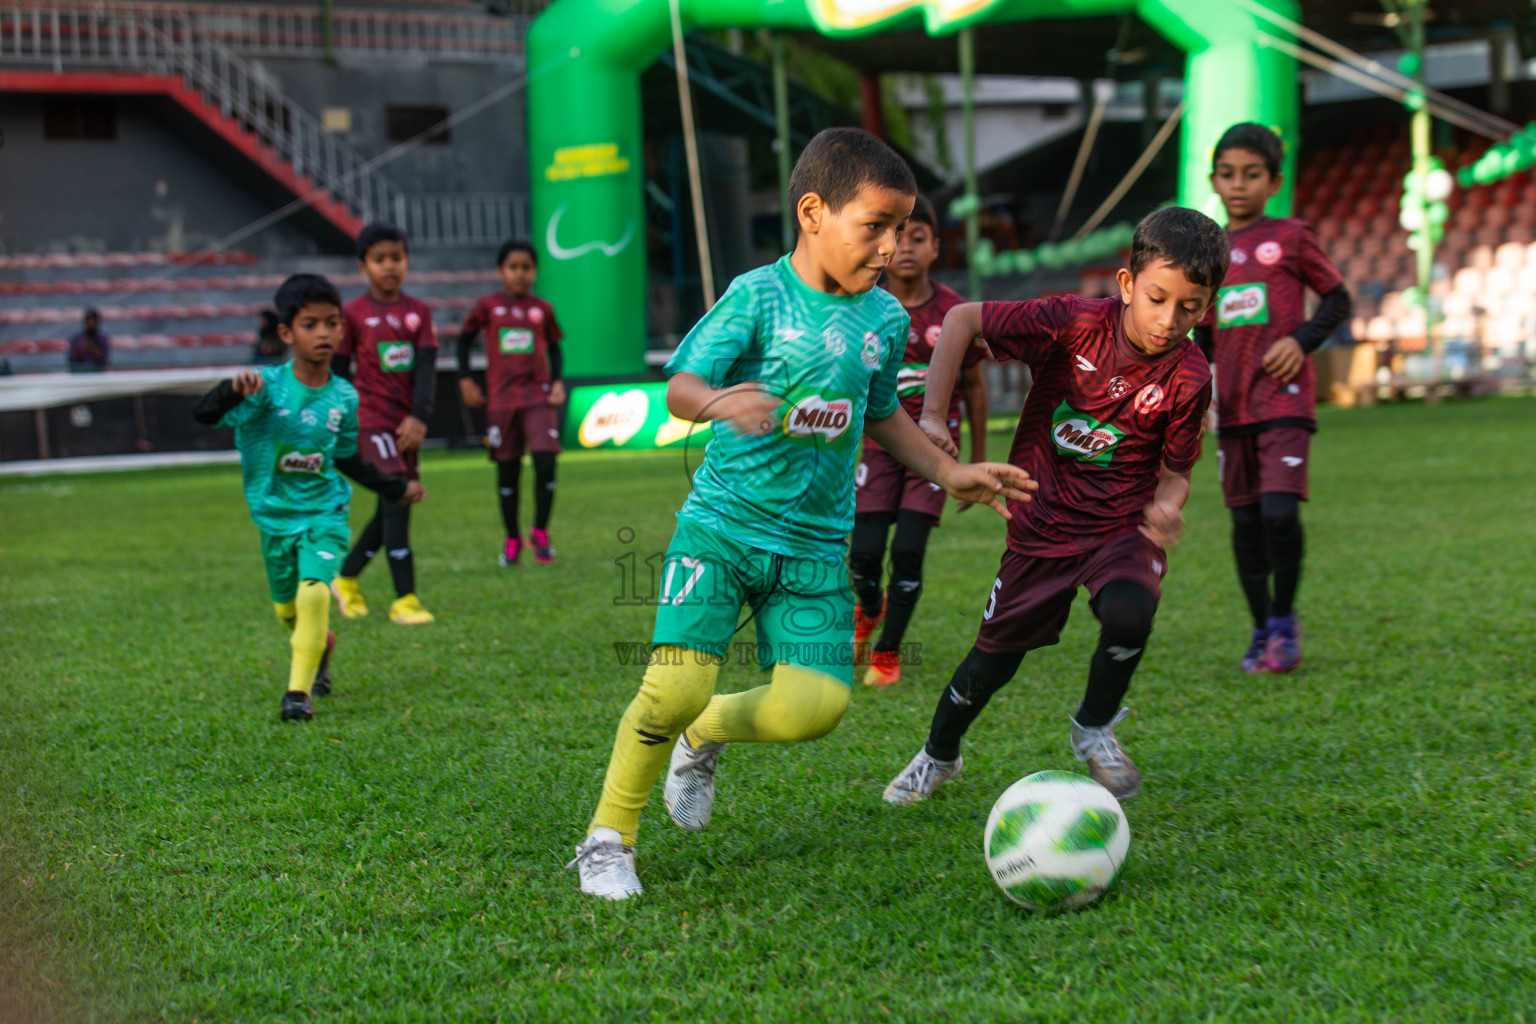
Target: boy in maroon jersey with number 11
<point x="390" y="355"/>
<point x="523" y="376"/>
<point x="1110" y="430"/>
<point x="1259" y="338"/>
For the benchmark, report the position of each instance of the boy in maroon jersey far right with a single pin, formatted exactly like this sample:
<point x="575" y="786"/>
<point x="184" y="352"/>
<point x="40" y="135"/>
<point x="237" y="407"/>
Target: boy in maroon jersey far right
<point x="1110" y="430"/>
<point x="389" y="353"/>
<point x="1259" y="338"/>
<point x="523" y="375"/>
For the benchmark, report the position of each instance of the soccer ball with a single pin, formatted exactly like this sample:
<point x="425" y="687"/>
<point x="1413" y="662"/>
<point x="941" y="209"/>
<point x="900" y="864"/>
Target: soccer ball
<point x="1056" y="841"/>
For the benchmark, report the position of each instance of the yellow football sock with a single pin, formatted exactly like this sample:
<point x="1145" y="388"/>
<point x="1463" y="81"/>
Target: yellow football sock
<point x="799" y="704"/>
<point x="312" y="607"/>
<point x="676" y="687"/>
<point x="287" y="614"/>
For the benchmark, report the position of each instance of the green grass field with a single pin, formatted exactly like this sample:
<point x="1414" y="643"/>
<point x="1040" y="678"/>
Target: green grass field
<point x="1354" y="842"/>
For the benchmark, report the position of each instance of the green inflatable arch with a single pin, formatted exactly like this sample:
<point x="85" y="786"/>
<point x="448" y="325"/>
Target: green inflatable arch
<point x="585" y="58"/>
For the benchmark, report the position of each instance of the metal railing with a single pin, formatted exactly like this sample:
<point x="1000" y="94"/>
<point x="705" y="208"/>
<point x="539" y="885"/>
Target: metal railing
<point x="274" y="31"/>
<point x="467" y="219"/>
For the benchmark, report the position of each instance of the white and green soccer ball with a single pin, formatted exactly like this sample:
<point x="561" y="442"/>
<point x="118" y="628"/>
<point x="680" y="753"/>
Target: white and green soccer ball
<point x="1056" y="841"/>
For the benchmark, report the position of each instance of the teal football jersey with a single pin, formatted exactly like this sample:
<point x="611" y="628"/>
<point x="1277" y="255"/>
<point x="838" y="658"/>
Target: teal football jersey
<point x="289" y="437"/>
<point x="833" y="360"/>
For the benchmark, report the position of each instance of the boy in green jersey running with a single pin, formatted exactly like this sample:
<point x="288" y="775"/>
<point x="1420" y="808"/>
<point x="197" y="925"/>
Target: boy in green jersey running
<point x="794" y="364"/>
<point x="295" y="426"/>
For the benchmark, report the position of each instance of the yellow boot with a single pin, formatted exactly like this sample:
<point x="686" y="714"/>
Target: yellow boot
<point x="350" y="597"/>
<point x="407" y="611"/>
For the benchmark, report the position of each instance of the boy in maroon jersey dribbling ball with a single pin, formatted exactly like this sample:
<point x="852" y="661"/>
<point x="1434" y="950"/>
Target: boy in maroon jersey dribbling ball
<point x="1260" y="339"/>
<point x="1110" y="430"/>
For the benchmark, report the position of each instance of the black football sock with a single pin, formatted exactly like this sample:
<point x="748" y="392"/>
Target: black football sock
<point x="979" y="676"/>
<point x="1125" y="610"/>
<point x="1284" y="538"/>
<point x="397" y="544"/>
<point x="866" y="550"/>
<point x="367" y="544"/>
<point x="1252" y="560"/>
<point x="543" y="488"/>
<point x="907" y="549"/>
<point x="507" y="474"/>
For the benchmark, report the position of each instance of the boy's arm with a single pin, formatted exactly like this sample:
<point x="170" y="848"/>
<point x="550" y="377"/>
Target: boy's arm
<point x="751" y="408"/>
<point x="982" y="483"/>
<point x="413" y="429"/>
<point x="698" y="370"/>
<point x="367" y="474"/>
<point x="1283" y="360"/>
<point x="225" y="396"/>
<point x="1164" y="523"/>
<point x="973" y="387"/>
<point x="1333" y="310"/>
<point x="556" y="370"/>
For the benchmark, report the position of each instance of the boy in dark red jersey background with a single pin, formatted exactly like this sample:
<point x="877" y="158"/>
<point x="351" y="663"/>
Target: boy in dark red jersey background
<point x="1259" y="339"/>
<point x="390" y="355"/>
<point x="523" y="375"/>
<point x="887" y="492"/>
<point x="1110" y="430"/>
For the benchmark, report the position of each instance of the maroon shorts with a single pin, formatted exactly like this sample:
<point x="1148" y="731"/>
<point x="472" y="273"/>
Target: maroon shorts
<point x="1274" y="461"/>
<point x="882" y="484"/>
<point x="510" y="432"/>
<point x="1032" y="596"/>
<point x="380" y="448"/>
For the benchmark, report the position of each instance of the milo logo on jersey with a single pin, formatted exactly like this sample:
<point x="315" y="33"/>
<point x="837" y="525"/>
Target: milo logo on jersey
<point x="292" y="460"/>
<point x="515" y="340"/>
<point x="397" y="356"/>
<point x="911" y="379"/>
<point x="1242" y="304"/>
<point x="1081" y="437"/>
<point x="829" y="417"/>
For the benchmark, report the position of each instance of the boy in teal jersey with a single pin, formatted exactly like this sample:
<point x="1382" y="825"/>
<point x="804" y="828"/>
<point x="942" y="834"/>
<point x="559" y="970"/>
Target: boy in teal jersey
<point x="295" y="426"/>
<point x="795" y="363"/>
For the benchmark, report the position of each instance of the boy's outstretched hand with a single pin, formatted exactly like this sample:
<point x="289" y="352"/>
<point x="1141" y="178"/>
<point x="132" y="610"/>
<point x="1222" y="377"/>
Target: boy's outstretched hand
<point x="938" y="433"/>
<point x="247" y="383"/>
<point x="987" y="483"/>
<point x="1164" y="524"/>
<point x="414" y="492"/>
<point x="1284" y="359"/>
<point x="751" y="408"/>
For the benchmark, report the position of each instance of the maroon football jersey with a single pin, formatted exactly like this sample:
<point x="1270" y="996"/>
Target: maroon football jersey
<point x="385" y="340"/>
<point x="1274" y="261"/>
<point x="518" y="335"/>
<point x="912" y="378"/>
<point x="1099" y="423"/>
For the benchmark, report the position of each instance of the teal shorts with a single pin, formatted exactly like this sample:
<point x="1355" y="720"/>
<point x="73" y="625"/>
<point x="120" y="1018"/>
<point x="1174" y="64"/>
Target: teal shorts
<point x="801" y="607"/>
<point x="315" y="554"/>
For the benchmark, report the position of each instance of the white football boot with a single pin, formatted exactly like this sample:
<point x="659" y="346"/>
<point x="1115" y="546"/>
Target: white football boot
<point x="690" y="789"/>
<point x="606" y="866"/>
<point x="920" y="778"/>
<point x="1108" y="763"/>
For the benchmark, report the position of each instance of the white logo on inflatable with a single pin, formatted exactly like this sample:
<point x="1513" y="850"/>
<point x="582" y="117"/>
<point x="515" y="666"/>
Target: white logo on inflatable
<point x="615" y="417"/>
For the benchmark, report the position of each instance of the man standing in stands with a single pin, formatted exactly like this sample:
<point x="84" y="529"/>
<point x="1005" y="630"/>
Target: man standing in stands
<point x="90" y="349"/>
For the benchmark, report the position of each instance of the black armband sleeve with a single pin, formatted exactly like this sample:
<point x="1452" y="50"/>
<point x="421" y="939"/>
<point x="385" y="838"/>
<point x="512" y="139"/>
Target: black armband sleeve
<point x="466" y="343"/>
<point x="341" y="366"/>
<point x="212" y="406"/>
<point x="1205" y="337"/>
<point x="556" y="362"/>
<point x="426" y="387"/>
<point x="367" y="474"/>
<point x="1332" y="311"/>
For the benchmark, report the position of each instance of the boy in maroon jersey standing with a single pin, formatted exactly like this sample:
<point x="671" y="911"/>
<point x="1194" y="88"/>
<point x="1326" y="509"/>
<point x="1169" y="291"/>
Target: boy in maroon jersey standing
<point x="1259" y="339"/>
<point x="390" y="355"/>
<point x="1110" y="430"/>
<point x="888" y="493"/>
<point x="523" y="376"/>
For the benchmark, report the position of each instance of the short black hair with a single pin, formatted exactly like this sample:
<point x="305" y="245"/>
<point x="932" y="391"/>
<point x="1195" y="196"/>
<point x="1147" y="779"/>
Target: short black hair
<point x="1186" y="238"/>
<point x="1256" y="139"/>
<point x="516" y="245"/>
<point x="91" y="311"/>
<point x="922" y="213"/>
<point x="302" y="290"/>
<point x="373" y="234"/>
<point x="840" y="161"/>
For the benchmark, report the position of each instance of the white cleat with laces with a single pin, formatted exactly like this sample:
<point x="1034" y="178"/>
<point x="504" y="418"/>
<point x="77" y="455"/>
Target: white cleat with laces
<point x="606" y="866"/>
<point x="1108" y="763"/>
<point x="920" y="778"/>
<point x="690" y="789"/>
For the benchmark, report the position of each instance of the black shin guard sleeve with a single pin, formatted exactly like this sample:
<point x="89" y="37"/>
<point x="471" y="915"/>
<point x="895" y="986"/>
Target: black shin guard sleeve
<point x="397" y="544"/>
<point x="1125" y="610"/>
<point x="1252" y="560"/>
<point x="544" y="488"/>
<point x="907" y="549"/>
<point x="979" y="676"/>
<point x="507" y="474"/>
<point x="366" y="545"/>
<point x="866" y="551"/>
<point x="1285" y="542"/>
